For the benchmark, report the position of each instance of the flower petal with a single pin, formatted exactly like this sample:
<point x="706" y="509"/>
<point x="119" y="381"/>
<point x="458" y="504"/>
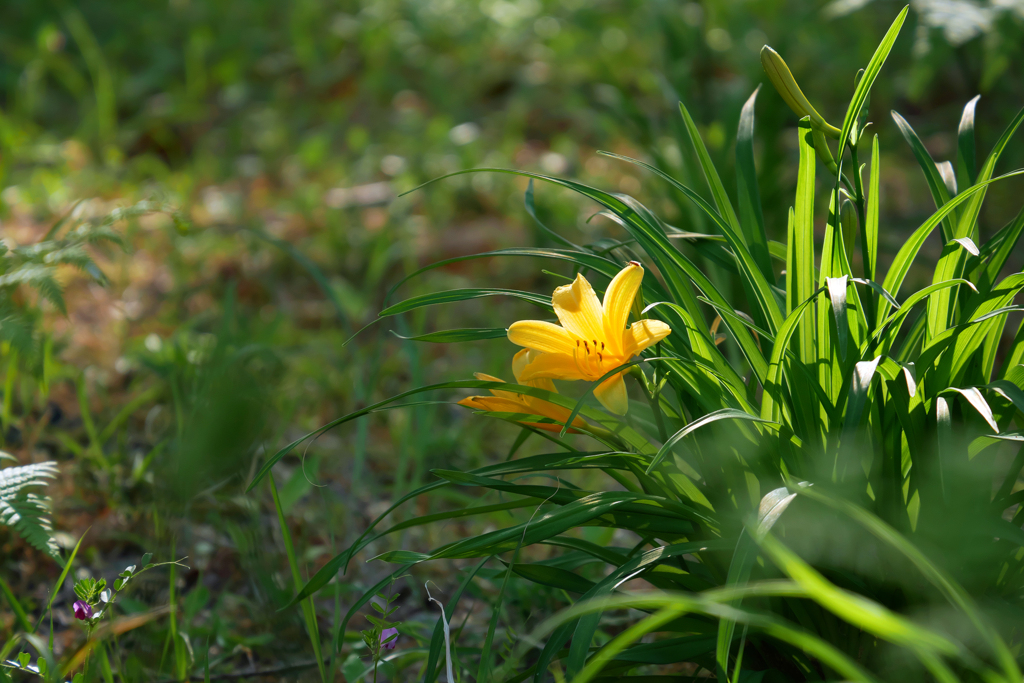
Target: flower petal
<point x="541" y="336"/>
<point x="544" y="408"/>
<point x="496" y="404"/>
<point x="579" y="310"/>
<point x="551" y="366"/>
<point x="642" y="334"/>
<point x="488" y="378"/>
<point x="519" y="363"/>
<point x="618" y="300"/>
<point x="549" y="426"/>
<point x="612" y="394"/>
<point x="535" y="406"/>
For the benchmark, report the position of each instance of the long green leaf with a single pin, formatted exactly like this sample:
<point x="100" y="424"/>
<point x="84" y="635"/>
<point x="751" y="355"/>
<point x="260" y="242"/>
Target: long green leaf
<point x="712" y="604"/>
<point x="751" y="218"/>
<point x="870" y="233"/>
<point x="677" y="270"/>
<point x="723" y="414"/>
<point x="1008" y="238"/>
<point x="966" y="156"/>
<point x="853" y="608"/>
<point x="757" y="286"/>
<point x="863" y="89"/>
<point x="940" y="194"/>
<point x="581" y="258"/>
<point x="718" y="192"/>
<point x="454" y="336"/>
<point x="955" y="594"/>
<point x="19" y="612"/>
<point x="967" y="226"/>
<point x="908" y="252"/>
<point x="432" y="669"/>
<point x="308" y="608"/>
<point x="584" y="631"/>
<point x="454" y="295"/>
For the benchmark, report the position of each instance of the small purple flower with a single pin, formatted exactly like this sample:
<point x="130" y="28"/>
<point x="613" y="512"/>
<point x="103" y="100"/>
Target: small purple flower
<point x="387" y="633"/>
<point x="83" y="610"/>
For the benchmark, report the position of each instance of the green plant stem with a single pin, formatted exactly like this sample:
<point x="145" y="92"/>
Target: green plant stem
<point x="858" y="184"/>
<point x="307" y="604"/>
<point x="654" y="398"/>
<point x="12" y="370"/>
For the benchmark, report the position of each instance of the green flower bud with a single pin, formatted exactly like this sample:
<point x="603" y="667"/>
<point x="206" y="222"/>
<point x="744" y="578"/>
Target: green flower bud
<point x="782" y="78"/>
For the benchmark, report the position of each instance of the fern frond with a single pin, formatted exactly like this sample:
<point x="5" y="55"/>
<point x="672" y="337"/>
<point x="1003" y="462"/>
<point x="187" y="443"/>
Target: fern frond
<point x="24" y="511"/>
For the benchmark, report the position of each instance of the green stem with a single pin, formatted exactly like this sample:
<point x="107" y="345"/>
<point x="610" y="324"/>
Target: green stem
<point x="308" y="608"/>
<point x="858" y="184"/>
<point x="654" y="398"/>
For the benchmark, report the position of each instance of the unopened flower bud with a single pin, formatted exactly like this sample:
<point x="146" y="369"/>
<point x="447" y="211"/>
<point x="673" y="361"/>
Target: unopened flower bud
<point x="782" y="78"/>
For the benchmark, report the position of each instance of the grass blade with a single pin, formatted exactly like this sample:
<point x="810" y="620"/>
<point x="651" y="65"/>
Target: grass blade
<point x="940" y="194"/>
<point x="860" y="94"/>
<point x="723" y="414"/>
<point x="19" y="612"/>
<point x="908" y="252"/>
<point x="751" y="218"/>
<point x="456" y="336"/>
<point x="966" y="155"/>
<point x="453" y="295"/>
<point x="438" y="639"/>
<point x="718" y="192"/>
<point x="308" y="608"/>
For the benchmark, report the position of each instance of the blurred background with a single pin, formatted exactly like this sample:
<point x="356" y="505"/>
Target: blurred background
<point x="261" y="149"/>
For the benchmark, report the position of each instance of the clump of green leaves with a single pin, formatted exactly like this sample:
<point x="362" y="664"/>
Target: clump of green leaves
<point x="820" y="492"/>
<point x="384" y="632"/>
<point x="95" y="602"/>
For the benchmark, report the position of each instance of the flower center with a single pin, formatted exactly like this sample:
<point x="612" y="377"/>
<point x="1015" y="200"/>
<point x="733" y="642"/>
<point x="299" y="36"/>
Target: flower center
<point x="591" y="357"/>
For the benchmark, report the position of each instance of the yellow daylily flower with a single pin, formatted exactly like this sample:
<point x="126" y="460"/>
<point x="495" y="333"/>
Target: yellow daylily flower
<point x="593" y="337"/>
<point x="511" y="402"/>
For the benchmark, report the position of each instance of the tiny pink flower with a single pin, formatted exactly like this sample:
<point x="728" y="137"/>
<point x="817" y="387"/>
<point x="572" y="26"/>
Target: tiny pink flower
<point x="387" y="633"/>
<point x="83" y="610"/>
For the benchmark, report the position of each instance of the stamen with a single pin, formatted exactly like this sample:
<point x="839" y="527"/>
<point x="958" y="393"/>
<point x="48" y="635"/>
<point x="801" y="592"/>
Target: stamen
<point x="600" y="357"/>
<point x="576" y="360"/>
<point x="602" y="346"/>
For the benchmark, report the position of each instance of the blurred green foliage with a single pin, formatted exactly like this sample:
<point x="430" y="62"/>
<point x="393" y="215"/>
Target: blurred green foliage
<point x="284" y="133"/>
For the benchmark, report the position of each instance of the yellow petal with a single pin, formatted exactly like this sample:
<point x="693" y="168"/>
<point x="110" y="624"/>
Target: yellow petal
<point x="489" y="378"/>
<point x="496" y="404"/>
<point x="541" y="336"/>
<point x="579" y="310"/>
<point x="551" y="366"/>
<point x="536" y="407"/>
<point x="612" y="395"/>
<point x="519" y="363"/>
<point x="642" y="334"/>
<point x="547" y="409"/>
<point x="548" y="427"/>
<point x="618" y="299"/>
